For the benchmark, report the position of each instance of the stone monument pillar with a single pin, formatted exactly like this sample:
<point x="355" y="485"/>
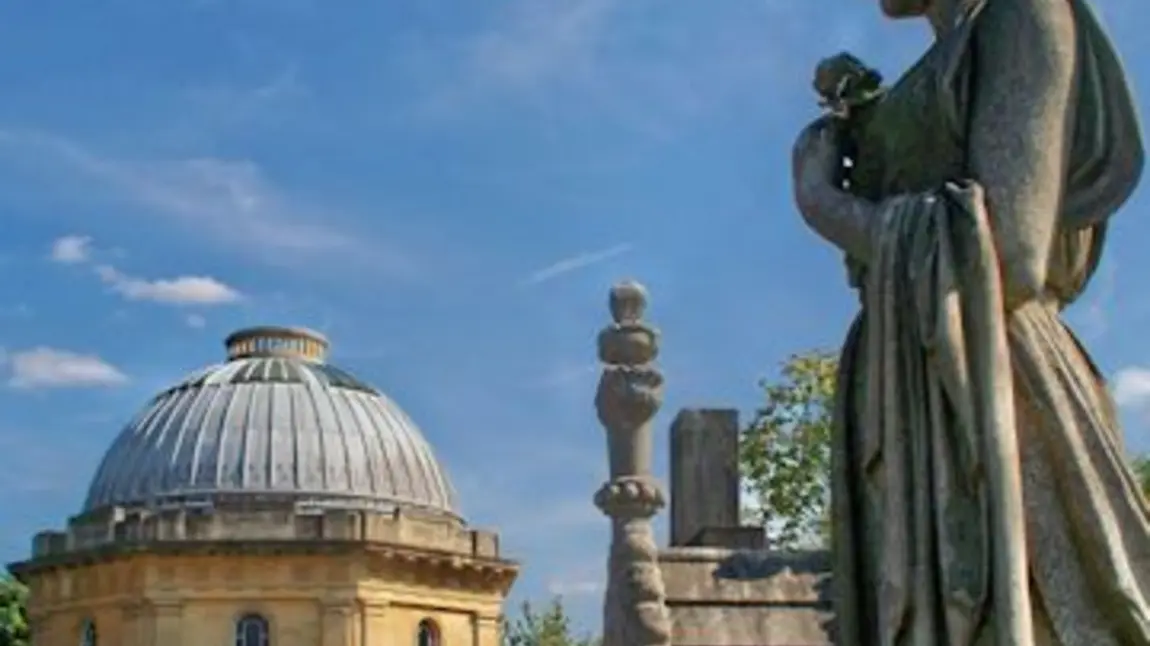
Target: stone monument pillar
<point x="630" y="393"/>
<point x="705" y="476"/>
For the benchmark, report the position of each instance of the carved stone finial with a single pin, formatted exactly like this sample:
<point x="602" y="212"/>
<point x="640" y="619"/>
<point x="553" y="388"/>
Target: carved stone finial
<point x="628" y="302"/>
<point x="631" y="387"/>
<point x="630" y="393"/>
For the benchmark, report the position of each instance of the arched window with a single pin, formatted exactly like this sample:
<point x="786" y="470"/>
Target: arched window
<point x="88" y="633"/>
<point x="428" y="633"/>
<point x="252" y="630"/>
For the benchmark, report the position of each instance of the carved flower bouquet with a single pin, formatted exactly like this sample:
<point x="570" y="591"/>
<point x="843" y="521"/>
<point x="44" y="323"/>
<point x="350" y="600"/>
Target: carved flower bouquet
<point x="846" y="86"/>
<point x="846" y="89"/>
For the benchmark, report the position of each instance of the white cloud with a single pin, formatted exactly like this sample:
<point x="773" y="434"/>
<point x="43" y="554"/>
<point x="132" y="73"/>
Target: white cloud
<point x="71" y="250"/>
<point x="45" y="367"/>
<point x="575" y="588"/>
<point x="195" y="321"/>
<point x="184" y="290"/>
<point x="575" y="263"/>
<point x="1131" y="387"/>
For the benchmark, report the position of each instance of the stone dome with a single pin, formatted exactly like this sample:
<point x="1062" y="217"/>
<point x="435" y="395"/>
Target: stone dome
<point x="275" y="422"/>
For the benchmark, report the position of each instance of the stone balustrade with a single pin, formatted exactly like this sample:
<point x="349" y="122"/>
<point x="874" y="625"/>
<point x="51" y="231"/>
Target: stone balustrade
<point x="120" y="526"/>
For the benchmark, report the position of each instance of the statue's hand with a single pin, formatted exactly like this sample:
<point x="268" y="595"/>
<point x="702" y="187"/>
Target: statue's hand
<point x="816" y="161"/>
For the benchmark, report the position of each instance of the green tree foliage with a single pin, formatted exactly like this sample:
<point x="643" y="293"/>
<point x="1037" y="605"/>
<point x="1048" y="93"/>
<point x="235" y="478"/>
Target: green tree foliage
<point x="551" y="627"/>
<point x="13" y="617"/>
<point x="1142" y="471"/>
<point x="784" y="454"/>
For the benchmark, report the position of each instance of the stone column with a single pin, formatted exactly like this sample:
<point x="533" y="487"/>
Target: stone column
<point x="630" y="393"/>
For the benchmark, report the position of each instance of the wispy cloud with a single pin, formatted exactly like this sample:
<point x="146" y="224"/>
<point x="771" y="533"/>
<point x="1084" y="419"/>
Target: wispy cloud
<point x="70" y="250"/>
<point x="632" y="60"/>
<point x="46" y="367"/>
<point x="195" y="321"/>
<point x="271" y="6"/>
<point x="575" y="263"/>
<point x="530" y="48"/>
<point x="184" y="290"/>
<point x="224" y="105"/>
<point x="230" y="202"/>
<point x="17" y="311"/>
<point x="539" y="42"/>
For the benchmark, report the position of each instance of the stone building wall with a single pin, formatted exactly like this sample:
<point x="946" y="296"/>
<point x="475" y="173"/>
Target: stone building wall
<point x="201" y="603"/>
<point x="333" y="579"/>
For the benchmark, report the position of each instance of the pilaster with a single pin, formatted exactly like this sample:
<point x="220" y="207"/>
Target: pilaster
<point x="167" y="623"/>
<point x="486" y="631"/>
<point x="375" y="617"/>
<point x="341" y="623"/>
<point x="138" y="624"/>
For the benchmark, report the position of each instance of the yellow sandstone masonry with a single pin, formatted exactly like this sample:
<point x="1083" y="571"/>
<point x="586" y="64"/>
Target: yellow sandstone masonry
<point x="275" y="540"/>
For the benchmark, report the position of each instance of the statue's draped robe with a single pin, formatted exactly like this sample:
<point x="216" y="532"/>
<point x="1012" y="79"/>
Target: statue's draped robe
<point x="938" y="385"/>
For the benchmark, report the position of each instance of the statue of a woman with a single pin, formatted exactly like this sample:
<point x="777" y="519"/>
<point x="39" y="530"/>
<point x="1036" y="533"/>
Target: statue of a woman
<point x="981" y="494"/>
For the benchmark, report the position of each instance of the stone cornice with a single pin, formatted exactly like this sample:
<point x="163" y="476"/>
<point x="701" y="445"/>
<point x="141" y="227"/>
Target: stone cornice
<point x="498" y="568"/>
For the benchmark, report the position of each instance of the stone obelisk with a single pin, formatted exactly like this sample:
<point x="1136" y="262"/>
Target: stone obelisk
<point x="630" y="393"/>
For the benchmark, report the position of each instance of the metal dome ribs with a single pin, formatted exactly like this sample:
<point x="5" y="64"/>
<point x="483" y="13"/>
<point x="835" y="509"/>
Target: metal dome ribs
<point x="272" y="426"/>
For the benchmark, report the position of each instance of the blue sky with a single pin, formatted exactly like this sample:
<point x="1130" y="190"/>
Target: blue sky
<point x="446" y="189"/>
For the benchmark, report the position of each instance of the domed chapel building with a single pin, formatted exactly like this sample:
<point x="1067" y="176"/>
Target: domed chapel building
<point x="271" y="500"/>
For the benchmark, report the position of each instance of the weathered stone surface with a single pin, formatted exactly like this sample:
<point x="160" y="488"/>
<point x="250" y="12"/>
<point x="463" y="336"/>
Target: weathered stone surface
<point x="704" y="472"/>
<point x="732" y="538"/>
<point x="629" y="394"/>
<point x="722" y="587"/>
<point x="722" y="597"/>
<point x="980" y="493"/>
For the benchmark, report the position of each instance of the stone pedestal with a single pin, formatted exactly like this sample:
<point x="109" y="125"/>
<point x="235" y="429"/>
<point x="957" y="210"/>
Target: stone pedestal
<point x="724" y="597"/>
